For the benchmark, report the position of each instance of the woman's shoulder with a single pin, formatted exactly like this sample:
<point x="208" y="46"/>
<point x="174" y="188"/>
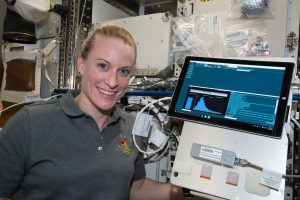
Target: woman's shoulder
<point x="43" y="106"/>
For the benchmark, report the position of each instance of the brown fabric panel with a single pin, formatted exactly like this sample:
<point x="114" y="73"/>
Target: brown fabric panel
<point x="2" y="16"/>
<point x="20" y="75"/>
<point x="1" y="73"/>
<point x="8" y="113"/>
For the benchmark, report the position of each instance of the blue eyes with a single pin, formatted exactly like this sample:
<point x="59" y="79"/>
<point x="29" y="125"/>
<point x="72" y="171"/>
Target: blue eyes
<point x="102" y="65"/>
<point x="125" y="72"/>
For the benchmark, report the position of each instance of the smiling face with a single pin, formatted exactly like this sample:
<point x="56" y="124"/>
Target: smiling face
<point x="105" y="73"/>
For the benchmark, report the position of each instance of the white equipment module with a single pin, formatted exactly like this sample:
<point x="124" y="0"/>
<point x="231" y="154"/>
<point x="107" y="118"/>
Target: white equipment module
<point x="234" y="143"/>
<point x="152" y="34"/>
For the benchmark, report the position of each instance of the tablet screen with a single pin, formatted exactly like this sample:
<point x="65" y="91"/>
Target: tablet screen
<point x="246" y="95"/>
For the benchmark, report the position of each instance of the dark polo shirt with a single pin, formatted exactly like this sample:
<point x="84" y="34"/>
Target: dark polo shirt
<point x="52" y="150"/>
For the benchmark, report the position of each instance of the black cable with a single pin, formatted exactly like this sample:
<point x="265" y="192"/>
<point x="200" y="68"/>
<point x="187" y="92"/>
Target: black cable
<point x="48" y="37"/>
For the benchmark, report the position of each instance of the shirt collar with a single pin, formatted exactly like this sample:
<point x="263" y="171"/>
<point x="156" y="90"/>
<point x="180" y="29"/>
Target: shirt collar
<point x="68" y="104"/>
<point x="116" y="115"/>
<point x="71" y="108"/>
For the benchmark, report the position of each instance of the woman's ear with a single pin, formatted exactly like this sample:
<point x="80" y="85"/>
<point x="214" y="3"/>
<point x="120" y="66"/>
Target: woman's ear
<point x="80" y="65"/>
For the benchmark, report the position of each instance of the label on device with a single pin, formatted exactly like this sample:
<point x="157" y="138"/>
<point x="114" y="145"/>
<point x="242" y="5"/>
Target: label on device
<point x="271" y="179"/>
<point x="210" y="153"/>
<point x="213" y="155"/>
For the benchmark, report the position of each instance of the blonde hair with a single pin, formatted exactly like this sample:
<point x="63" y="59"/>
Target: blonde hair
<point x="109" y="30"/>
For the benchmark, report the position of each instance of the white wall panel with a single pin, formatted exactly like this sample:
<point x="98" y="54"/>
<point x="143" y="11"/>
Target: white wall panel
<point x="152" y="35"/>
<point x="103" y="11"/>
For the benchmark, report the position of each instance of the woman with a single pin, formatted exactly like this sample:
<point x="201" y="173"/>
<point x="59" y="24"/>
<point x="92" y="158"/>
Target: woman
<point x="79" y="146"/>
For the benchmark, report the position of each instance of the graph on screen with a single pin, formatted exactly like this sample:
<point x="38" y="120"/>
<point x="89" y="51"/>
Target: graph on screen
<point x="205" y="100"/>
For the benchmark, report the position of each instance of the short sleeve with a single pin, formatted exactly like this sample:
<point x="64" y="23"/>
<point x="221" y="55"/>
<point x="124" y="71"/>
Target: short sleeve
<point x="139" y="172"/>
<point x="13" y="153"/>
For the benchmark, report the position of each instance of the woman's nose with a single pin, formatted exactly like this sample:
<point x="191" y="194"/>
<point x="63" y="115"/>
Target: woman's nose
<point x="111" y="80"/>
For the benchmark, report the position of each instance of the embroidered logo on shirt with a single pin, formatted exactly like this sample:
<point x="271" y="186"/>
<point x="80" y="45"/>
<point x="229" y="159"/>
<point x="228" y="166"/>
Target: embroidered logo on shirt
<point x="124" y="146"/>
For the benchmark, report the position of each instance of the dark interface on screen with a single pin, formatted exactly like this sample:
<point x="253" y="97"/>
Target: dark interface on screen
<point x="240" y="94"/>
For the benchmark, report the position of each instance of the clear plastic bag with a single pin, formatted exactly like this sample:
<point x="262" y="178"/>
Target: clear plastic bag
<point x="249" y="9"/>
<point x="246" y="38"/>
<point x="198" y="35"/>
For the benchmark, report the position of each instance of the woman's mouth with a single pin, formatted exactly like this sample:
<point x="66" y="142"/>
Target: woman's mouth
<point x="106" y="92"/>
